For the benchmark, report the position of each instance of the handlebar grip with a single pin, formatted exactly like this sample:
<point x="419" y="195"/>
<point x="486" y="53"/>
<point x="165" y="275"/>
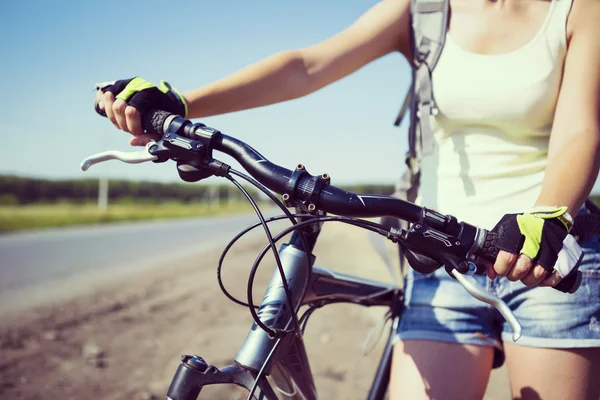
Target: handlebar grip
<point x="489" y="251"/>
<point x="153" y="121"/>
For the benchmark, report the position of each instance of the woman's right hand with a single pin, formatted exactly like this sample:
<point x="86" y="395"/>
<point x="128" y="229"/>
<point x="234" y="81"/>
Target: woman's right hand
<point x="124" y="102"/>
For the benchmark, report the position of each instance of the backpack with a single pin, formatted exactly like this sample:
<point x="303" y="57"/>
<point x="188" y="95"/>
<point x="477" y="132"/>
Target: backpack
<point x="429" y="19"/>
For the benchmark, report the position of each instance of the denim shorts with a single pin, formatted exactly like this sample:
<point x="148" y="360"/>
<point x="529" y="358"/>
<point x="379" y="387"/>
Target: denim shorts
<point x="438" y="308"/>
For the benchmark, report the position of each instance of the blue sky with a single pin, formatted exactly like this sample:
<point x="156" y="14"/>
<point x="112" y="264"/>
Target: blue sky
<point x="54" y="53"/>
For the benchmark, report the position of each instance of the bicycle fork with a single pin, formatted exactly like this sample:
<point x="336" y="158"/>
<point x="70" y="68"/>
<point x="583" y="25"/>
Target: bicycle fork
<point x="260" y="351"/>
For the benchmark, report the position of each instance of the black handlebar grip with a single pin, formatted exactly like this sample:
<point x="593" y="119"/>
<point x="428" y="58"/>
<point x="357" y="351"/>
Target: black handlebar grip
<point x="488" y="251"/>
<point x="153" y="121"/>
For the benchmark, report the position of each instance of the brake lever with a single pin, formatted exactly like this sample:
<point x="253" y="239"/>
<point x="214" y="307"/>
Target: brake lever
<point x="479" y="293"/>
<point x="135" y="157"/>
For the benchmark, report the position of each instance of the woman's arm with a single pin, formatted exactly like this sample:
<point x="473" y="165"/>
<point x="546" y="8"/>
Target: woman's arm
<point x="286" y="75"/>
<point x="574" y="154"/>
<point x="292" y="74"/>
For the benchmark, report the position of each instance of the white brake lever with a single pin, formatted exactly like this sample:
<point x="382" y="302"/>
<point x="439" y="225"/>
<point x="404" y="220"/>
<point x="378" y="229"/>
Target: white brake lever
<point x="135" y="157"/>
<point x="476" y="291"/>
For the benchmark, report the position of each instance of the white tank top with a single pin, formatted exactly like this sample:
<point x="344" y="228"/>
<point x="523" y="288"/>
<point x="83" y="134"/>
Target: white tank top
<point x="493" y="128"/>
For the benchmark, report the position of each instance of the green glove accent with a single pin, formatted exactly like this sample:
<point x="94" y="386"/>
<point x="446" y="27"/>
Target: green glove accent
<point x="136" y="85"/>
<point x="560" y="213"/>
<point x="531" y="227"/>
<point x="146" y="96"/>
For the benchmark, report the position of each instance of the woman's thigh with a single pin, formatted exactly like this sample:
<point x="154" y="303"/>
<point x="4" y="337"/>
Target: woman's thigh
<point x="540" y="373"/>
<point x="447" y="341"/>
<point x="424" y="369"/>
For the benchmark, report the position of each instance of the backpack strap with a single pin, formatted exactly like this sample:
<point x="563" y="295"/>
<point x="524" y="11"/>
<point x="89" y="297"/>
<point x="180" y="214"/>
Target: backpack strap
<point x="428" y="33"/>
<point x="429" y="23"/>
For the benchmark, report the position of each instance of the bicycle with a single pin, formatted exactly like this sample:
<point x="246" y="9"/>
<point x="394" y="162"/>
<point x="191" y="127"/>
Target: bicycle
<point x="274" y="347"/>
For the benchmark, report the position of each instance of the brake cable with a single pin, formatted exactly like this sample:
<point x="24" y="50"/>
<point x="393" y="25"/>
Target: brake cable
<point x="296" y="226"/>
<point x="271" y="245"/>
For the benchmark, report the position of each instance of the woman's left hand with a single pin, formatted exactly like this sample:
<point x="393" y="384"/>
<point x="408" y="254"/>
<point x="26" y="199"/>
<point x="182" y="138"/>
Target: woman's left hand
<point x="535" y="247"/>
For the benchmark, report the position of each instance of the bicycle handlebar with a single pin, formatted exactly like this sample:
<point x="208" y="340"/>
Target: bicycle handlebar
<point x="317" y="191"/>
<point x="332" y="199"/>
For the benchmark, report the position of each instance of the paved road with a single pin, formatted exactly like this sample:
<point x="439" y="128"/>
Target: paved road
<point x="67" y="259"/>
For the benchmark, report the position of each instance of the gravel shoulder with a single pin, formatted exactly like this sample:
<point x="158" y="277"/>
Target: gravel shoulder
<point x="124" y="338"/>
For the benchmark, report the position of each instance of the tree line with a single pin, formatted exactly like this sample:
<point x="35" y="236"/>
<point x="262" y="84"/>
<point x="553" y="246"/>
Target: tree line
<point x="24" y="190"/>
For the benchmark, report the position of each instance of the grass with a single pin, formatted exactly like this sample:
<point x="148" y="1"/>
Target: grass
<point x="21" y="217"/>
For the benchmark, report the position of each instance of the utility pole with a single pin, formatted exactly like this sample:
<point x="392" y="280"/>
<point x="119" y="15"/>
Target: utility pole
<point x="103" y="194"/>
<point x="230" y="194"/>
<point x="215" y="201"/>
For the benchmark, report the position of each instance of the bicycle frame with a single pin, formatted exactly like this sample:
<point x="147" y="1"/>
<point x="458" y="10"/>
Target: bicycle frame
<point x="285" y="360"/>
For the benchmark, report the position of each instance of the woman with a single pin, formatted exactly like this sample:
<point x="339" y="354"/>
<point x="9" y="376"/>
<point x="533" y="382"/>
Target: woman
<point x="518" y="90"/>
